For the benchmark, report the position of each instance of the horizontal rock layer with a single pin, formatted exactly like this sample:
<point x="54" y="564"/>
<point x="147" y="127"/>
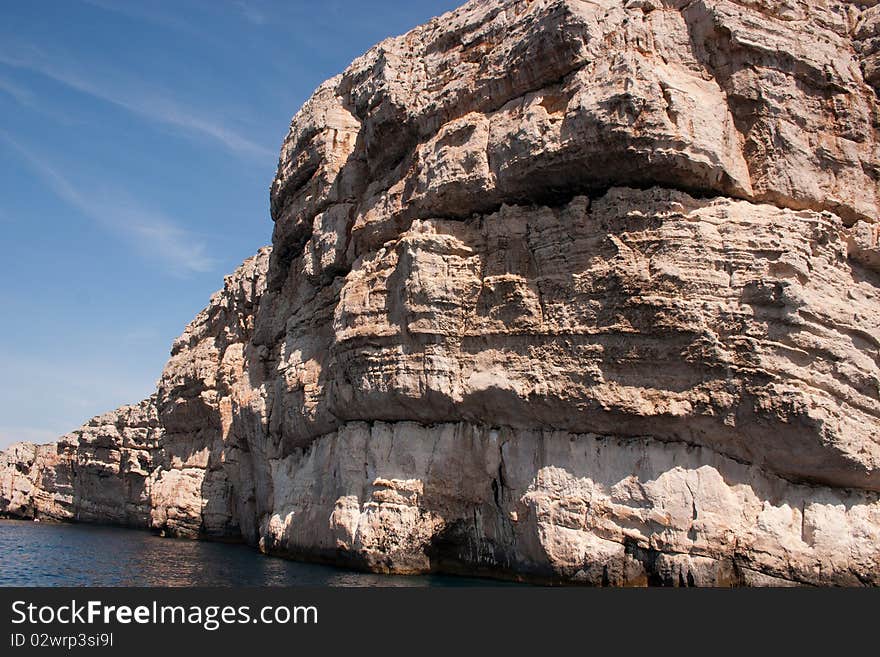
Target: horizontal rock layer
<point x="551" y="505"/>
<point x="559" y="290"/>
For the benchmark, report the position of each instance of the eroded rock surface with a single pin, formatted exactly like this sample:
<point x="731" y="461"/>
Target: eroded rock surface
<point x="559" y="290"/>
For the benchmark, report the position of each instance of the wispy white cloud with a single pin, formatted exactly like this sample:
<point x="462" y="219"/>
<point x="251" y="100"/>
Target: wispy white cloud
<point x="250" y="12"/>
<point x="18" y="93"/>
<point x="30" y="101"/>
<point x="132" y="95"/>
<point x="141" y="11"/>
<point x="153" y="13"/>
<point x="148" y="230"/>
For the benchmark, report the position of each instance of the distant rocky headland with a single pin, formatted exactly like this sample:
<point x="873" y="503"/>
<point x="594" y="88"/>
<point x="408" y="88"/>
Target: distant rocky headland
<point x="561" y="291"/>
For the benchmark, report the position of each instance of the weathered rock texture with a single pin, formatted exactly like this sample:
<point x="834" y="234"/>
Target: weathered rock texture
<point x="560" y="290"/>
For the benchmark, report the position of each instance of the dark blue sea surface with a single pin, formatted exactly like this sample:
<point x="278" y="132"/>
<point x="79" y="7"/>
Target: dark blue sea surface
<point x="45" y="554"/>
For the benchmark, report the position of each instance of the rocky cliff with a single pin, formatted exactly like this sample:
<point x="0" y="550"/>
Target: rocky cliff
<point x="559" y="290"/>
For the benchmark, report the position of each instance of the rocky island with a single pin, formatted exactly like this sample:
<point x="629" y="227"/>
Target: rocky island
<point x="559" y="290"/>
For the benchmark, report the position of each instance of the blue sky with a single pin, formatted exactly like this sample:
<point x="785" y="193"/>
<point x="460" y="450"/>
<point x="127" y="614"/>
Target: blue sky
<point x="137" y="143"/>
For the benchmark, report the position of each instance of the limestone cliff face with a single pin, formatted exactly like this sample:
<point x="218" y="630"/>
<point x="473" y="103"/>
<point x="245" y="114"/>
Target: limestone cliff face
<point x="98" y="473"/>
<point x="562" y="290"/>
<point x="154" y="464"/>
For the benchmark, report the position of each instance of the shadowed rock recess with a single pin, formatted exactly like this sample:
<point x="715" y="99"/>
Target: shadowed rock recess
<point x="561" y="291"/>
